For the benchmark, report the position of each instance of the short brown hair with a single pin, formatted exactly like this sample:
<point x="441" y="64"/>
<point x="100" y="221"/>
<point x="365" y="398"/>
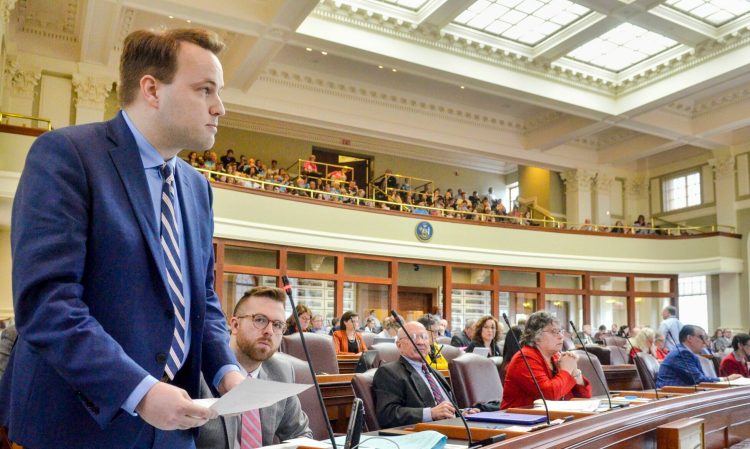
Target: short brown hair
<point x="274" y="293"/>
<point x="149" y="53"/>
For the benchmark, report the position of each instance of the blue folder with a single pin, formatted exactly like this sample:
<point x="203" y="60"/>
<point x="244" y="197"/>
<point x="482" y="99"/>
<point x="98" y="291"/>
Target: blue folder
<point x="507" y="418"/>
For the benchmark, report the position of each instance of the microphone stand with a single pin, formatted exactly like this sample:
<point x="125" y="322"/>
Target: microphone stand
<point x="450" y="398"/>
<point x="528" y="367"/>
<point x="635" y="354"/>
<point x="601" y="381"/>
<point x="679" y="351"/>
<point x="288" y="289"/>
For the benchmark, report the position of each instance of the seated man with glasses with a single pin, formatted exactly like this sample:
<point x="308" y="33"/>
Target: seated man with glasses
<point x="556" y="372"/>
<point x="682" y="366"/>
<point x="408" y="391"/>
<point x="257" y="326"/>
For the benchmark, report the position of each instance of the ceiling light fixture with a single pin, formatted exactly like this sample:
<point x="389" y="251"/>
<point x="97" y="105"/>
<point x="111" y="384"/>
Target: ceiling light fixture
<point x="308" y="49"/>
<point x="463" y="87"/>
<point x="380" y="66"/>
<point x="171" y="17"/>
<point x="323" y="53"/>
<point x="189" y="21"/>
<point x="394" y="70"/>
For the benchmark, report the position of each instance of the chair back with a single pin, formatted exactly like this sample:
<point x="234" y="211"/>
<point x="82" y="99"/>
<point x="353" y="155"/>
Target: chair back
<point x="475" y="379"/>
<point x="590" y="371"/>
<point x="368" y="338"/>
<point x="568" y="344"/>
<point x="601" y="352"/>
<point x="386" y="352"/>
<point x="321" y="351"/>
<point x="618" y="355"/>
<point x="362" y="386"/>
<point x="443" y="341"/>
<point x="648" y="368"/>
<point x="450" y="352"/>
<point x="615" y="341"/>
<point x="708" y="367"/>
<point x="308" y="399"/>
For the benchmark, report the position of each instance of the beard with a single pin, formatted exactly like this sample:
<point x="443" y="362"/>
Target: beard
<point x="250" y="348"/>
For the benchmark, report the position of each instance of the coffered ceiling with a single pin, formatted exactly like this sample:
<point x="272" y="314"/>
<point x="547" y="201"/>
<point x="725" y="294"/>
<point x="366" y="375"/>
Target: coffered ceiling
<point x="486" y="83"/>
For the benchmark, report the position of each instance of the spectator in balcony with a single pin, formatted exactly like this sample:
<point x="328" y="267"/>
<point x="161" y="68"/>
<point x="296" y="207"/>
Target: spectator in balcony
<point x="406" y="185"/>
<point x="500" y="210"/>
<point x="310" y="168"/>
<point x="586" y="225"/>
<point x="305" y="316"/>
<point x="192" y="159"/>
<point x="486" y="335"/>
<point x="644" y="342"/>
<point x="274" y="170"/>
<point x="618" y="228"/>
<point x="736" y="361"/>
<point x="228" y="158"/>
<point x="348" y="340"/>
<point x="339" y="175"/>
<point x="640" y="225"/>
<point x="389" y="182"/>
<point x="212" y="161"/>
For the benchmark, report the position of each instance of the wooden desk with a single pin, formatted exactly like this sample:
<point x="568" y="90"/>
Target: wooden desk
<point x="726" y="413"/>
<point x="621" y="377"/>
<point x="347" y="363"/>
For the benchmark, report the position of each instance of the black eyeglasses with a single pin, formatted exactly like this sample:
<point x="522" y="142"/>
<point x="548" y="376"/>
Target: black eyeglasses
<point x="261" y="322"/>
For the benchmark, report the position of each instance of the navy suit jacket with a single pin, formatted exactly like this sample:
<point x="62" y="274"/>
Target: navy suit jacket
<point x="90" y="294"/>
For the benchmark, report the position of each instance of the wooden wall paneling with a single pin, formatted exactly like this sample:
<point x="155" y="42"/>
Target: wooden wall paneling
<point x="631" y="300"/>
<point x="393" y="266"/>
<point x="541" y="282"/>
<point x="447" y="292"/>
<point x="495" y="297"/>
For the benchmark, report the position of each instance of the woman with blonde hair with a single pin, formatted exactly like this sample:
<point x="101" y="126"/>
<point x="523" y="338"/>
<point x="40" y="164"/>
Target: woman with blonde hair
<point x="643" y="342"/>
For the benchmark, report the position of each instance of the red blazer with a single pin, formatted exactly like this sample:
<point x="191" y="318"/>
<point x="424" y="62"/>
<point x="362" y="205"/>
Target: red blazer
<point x="341" y="342"/>
<point x="519" y="389"/>
<point x="730" y="365"/>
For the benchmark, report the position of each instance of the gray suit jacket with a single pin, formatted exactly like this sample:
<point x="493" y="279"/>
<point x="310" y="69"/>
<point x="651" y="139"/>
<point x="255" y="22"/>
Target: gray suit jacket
<point x="280" y="421"/>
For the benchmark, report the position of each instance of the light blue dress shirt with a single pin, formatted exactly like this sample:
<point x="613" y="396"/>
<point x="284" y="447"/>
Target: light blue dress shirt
<point x="427" y="411"/>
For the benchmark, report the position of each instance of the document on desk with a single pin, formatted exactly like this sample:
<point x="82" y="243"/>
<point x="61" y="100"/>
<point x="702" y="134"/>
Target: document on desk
<point x="569" y="406"/>
<point x="252" y="394"/>
<point x="427" y="439"/>
<point x="741" y="382"/>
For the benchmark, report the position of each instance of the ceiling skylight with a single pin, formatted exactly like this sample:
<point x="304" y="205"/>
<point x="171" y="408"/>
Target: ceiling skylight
<point x="715" y="12"/>
<point x="622" y="47"/>
<point x="525" y="21"/>
<point x="414" y="5"/>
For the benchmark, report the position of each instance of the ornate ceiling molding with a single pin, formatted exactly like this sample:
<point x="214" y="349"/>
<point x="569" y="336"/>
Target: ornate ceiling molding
<point x="35" y="18"/>
<point x="723" y="167"/>
<point x="370" y="95"/>
<point x="6" y="7"/>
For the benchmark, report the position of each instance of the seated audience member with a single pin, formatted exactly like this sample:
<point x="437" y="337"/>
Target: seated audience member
<point x="334" y="325"/>
<point x="618" y="228"/>
<point x="723" y="342"/>
<point x="644" y="342"/>
<point x="434" y="355"/>
<point x="682" y="367"/>
<point x="557" y="373"/>
<point x="339" y="175"/>
<point x="600" y="334"/>
<point x="623" y="331"/>
<point x="445" y="329"/>
<point x="390" y="328"/>
<point x="487" y="335"/>
<point x="369" y="326"/>
<point x="310" y="168"/>
<point x="192" y="159"/>
<point x="228" y="158"/>
<point x="585" y="336"/>
<point x="371" y="316"/>
<point x="407" y="391"/>
<point x="661" y="347"/>
<point x="463" y="338"/>
<point x="254" y="343"/>
<point x="317" y="325"/>
<point x="347" y="340"/>
<point x="305" y="316"/>
<point x="509" y="349"/>
<point x="736" y="361"/>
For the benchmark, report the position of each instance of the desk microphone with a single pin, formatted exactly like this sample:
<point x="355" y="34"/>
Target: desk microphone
<point x="450" y="395"/>
<point x="528" y="367"/>
<point x="679" y="351"/>
<point x="601" y="381"/>
<point x="288" y="290"/>
<point x="635" y="355"/>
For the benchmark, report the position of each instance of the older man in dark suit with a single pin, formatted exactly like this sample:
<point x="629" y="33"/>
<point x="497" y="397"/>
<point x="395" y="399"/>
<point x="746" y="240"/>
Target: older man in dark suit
<point x="407" y="391"/>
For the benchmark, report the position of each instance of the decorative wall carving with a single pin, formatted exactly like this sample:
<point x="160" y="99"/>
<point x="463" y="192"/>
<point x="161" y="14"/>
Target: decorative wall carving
<point x="91" y="92"/>
<point x="603" y="182"/>
<point x="577" y="180"/>
<point x="22" y="81"/>
<point x="6" y="7"/>
<point x="723" y="167"/>
<point x="636" y="186"/>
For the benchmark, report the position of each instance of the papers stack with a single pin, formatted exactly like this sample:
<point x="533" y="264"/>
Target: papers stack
<point x="590" y="405"/>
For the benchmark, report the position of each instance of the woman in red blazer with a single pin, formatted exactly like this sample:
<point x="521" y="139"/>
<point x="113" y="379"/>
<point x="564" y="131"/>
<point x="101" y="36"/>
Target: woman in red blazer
<point x="557" y="373"/>
<point x="347" y="340"/>
<point x="736" y="362"/>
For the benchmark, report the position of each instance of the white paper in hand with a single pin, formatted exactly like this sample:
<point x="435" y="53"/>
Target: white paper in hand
<point x="252" y="394"/>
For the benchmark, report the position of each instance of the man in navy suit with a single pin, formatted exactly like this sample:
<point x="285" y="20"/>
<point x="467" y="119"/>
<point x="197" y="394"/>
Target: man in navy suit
<point x="113" y="264"/>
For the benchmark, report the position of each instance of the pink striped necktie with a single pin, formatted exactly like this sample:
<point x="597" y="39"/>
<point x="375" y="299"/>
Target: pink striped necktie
<point x="251" y="429"/>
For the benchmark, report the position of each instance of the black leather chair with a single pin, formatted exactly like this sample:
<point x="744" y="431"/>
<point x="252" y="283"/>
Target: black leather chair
<point x="362" y="387"/>
<point x="321" y="351"/>
<point x="648" y="368"/>
<point x="601" y="352"/>
<point x="475" y="379"/>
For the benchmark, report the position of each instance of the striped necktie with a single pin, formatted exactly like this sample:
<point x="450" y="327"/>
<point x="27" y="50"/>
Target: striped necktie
<point x="169" y="242"/>
<point x="436" y="393"/>
<point x="252" y="436"/>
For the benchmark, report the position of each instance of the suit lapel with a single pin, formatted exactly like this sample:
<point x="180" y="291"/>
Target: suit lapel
<point x="127" y="161"/>
<point x="423" y="390"/>
<point x="189" y="228"/>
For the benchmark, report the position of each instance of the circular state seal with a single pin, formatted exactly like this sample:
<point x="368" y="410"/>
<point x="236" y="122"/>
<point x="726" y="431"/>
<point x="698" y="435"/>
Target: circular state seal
<point x="423" y="231"/>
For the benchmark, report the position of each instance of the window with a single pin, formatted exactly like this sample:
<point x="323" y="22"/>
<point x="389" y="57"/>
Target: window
<point x="511" y="196"/>
<point x="682" y="191"/>
<point x="693" y="303"/>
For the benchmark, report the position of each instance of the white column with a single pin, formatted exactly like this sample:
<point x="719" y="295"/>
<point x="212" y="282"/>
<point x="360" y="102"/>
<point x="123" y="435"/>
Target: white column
<point x="577" y="195"/>
<point x="724" y="189"/>
<point x="21" y="84"/>
<point x="602" y="191"/>
<point x="636" y="198"/>
<point x="730" y="311"/>
<point x="91" y="95"/>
